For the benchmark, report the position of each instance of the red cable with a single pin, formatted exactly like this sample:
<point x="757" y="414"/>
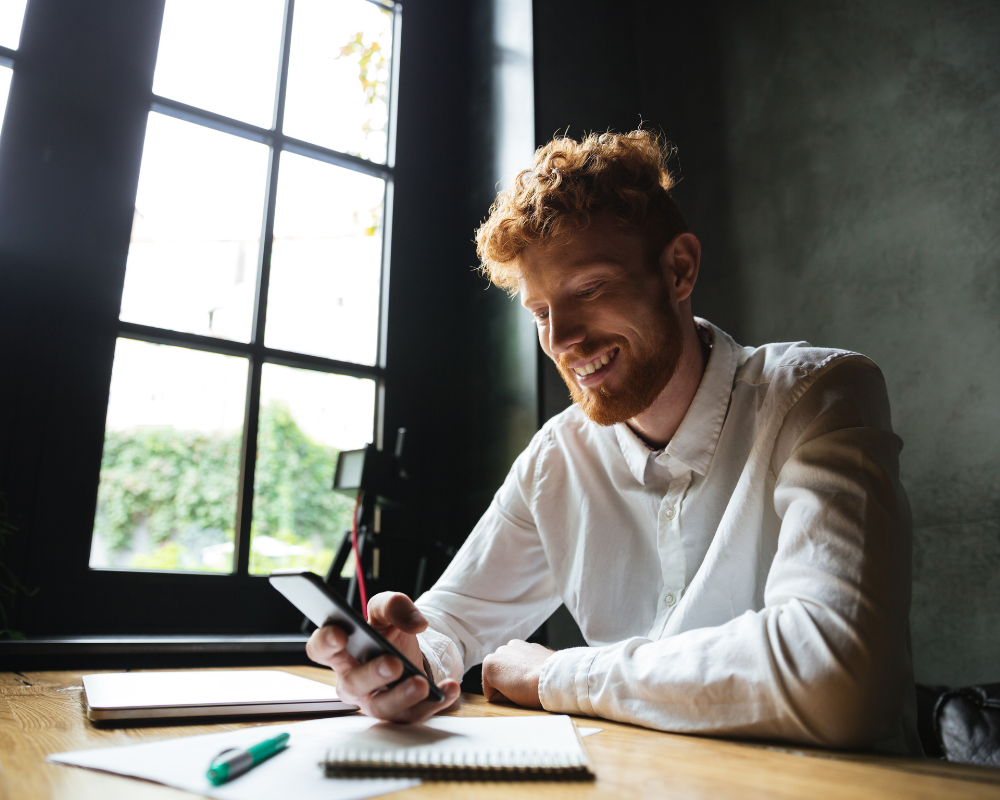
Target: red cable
<point x="357" y="559"/>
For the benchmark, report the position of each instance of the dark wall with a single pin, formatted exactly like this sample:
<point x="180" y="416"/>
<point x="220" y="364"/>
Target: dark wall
<point x="616" y="66"/>
<point x="841" y="164"/>
<point x="461" y="379"/>
<point x="865" y="184"/>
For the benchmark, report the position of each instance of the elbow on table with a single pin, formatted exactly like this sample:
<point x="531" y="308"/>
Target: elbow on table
<point x="846" y="723"/>
<point x="840" y="685"/>
<point x="848" y="708"/>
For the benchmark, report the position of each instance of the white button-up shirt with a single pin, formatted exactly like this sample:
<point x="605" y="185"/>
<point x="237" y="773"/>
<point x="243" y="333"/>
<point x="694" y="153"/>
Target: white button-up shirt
<point x="750" y="580"/>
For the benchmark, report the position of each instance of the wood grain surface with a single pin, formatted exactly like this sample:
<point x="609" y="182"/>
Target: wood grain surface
<point x="43" y="713"/>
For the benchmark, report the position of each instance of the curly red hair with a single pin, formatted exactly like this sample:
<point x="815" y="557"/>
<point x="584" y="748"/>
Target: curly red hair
<point x="568" y="183"/>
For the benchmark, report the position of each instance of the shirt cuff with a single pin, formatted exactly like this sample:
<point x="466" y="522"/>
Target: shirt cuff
<point x="442" y="656"/>
<point x="564" y="685"/>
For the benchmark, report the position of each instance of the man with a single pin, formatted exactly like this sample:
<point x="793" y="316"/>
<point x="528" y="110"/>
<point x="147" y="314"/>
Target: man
<point x="725" y="523"/>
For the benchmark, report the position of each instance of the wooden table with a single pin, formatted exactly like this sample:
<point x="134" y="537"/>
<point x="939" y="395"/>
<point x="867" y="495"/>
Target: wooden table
<point x="43" y="713"/>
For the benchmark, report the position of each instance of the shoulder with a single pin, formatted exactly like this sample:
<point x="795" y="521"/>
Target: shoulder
<point x="571" y="422"/>
<point x="571" y="432"/>
<point x="567" y="439"/>
<point x="794" y="366"/>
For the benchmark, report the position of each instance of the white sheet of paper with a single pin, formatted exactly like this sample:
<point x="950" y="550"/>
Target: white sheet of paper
<point x="295" y="772"/>
<point x="585" y="732"/>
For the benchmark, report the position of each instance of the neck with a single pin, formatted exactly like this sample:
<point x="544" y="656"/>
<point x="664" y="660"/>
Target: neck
<point x="658" y="423"/>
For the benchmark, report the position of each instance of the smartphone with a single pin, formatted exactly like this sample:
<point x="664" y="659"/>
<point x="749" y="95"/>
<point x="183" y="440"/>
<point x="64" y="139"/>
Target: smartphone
<point x="322" y="605"/>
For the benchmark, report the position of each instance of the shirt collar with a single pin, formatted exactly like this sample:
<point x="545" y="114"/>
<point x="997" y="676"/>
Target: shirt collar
<point x="695" y="441"/>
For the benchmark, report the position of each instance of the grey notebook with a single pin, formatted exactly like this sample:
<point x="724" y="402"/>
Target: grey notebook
<point x="206" y="693"/>
<point x="537" y="747"/>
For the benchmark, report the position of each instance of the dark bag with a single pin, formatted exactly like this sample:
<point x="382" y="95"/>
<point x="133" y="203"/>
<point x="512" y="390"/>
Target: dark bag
<point x="967" y="725"/>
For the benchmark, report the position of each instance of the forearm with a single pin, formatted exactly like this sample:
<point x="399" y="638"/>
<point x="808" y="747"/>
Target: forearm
<point x="792" y="672"/>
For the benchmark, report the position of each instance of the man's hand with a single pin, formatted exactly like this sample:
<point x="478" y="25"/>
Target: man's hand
<point x="396" y="617"/>
<point x="513" y="672"/>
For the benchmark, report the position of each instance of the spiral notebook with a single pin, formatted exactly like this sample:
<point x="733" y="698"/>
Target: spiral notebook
<point x="494" y="748"/>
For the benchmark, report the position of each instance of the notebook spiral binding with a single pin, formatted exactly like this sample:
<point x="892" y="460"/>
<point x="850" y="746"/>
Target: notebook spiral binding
<point x="352" y="762"/>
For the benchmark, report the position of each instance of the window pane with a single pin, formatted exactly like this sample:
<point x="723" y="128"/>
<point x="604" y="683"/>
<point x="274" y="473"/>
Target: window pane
<point x="338" y="76"/>
<point x="306" y="418"/>
<point x="192" y="263"/>
<point x="11" y="17"/>
<point x="326" y="261"/>
<point x="5" y="76"/>
<point x="170" y="470"/>
<point x="221" y="55"/>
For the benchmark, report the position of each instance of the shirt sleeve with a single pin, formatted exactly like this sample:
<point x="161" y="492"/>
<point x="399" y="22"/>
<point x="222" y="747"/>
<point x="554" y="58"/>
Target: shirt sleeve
<point x="819" y="663"/>
<point x="498" y="587"/>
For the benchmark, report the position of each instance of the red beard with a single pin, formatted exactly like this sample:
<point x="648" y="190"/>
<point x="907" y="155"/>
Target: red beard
<point x="645" y="373"/>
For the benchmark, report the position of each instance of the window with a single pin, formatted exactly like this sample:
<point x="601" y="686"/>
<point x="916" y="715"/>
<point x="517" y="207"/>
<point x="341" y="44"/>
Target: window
<point x="11" y="18"/>
<point x="251" y="344"/>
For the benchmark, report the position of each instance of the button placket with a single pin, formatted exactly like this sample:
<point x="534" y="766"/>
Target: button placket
<point x="673" y="562"/>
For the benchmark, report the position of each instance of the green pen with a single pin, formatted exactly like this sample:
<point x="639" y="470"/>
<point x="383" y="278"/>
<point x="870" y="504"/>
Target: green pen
<point x="235" y="761"/>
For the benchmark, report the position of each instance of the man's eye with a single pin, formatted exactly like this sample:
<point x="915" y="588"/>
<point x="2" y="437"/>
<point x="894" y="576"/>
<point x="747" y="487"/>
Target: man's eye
<point x="541" y="316"/>
<point x="588" y="292"/>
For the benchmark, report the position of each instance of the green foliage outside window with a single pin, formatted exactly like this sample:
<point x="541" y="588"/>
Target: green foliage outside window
<point x="178" y="490"/>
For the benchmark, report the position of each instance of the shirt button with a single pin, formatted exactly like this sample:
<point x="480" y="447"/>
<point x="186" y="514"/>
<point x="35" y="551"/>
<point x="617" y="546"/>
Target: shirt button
<point x="669" y="513"/>
<point x="669" y="600"/>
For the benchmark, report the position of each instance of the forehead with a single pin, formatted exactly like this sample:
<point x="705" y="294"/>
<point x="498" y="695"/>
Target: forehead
<point x="601" y="247"/>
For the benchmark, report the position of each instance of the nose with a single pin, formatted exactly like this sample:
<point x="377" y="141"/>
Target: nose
<point x="566" y="331"/>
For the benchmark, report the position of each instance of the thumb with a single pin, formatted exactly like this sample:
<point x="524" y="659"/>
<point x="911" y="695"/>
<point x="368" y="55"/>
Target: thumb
<point x="397" y="610"/>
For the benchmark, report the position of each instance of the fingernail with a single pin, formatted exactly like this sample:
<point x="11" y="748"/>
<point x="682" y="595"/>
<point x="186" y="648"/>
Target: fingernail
<point x="385" y="669"/>
<point x="413" y="688"/>
<point x="416" y="618"/>
<point x="331" y="638"/>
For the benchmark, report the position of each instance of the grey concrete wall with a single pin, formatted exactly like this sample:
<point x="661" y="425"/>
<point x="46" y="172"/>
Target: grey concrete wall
<point x="863" y="149"/>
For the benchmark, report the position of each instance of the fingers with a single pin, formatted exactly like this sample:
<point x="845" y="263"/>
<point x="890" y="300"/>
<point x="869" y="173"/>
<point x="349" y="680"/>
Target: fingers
<point x="365" y="684"/>
<point x="491" y="668"/>
<point x="395" y="609"/>
<point x="363" y="680"/>
<point x="326" y="646"/>
<point x="407" y="702"/>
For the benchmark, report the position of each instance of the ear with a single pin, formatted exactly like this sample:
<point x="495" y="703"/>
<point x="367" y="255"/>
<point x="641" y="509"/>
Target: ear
<point x="680" y="261"/>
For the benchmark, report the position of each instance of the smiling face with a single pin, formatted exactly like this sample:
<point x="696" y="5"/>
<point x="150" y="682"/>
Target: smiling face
<point x="606" y="316"/>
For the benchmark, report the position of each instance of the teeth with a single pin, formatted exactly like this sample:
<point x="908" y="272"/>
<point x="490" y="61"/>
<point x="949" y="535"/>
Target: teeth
<point x="593" y="366"/>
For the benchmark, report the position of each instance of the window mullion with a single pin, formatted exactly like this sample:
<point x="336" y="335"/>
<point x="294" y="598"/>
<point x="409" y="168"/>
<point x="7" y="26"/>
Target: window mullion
<point x="248" y="456"/>
<point x="391" y="100"/>
<point x="248" y="463"/>
<point x="286" y="46"/>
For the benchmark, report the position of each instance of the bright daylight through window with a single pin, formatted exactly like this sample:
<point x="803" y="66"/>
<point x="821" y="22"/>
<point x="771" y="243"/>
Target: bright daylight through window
<point x="249" y="344"/>
<point x="11" y="19"/>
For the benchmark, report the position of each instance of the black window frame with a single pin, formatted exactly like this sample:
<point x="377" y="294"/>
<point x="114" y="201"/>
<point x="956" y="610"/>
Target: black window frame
<point x="69" y="172"/>
<point x="255" y="350"/>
